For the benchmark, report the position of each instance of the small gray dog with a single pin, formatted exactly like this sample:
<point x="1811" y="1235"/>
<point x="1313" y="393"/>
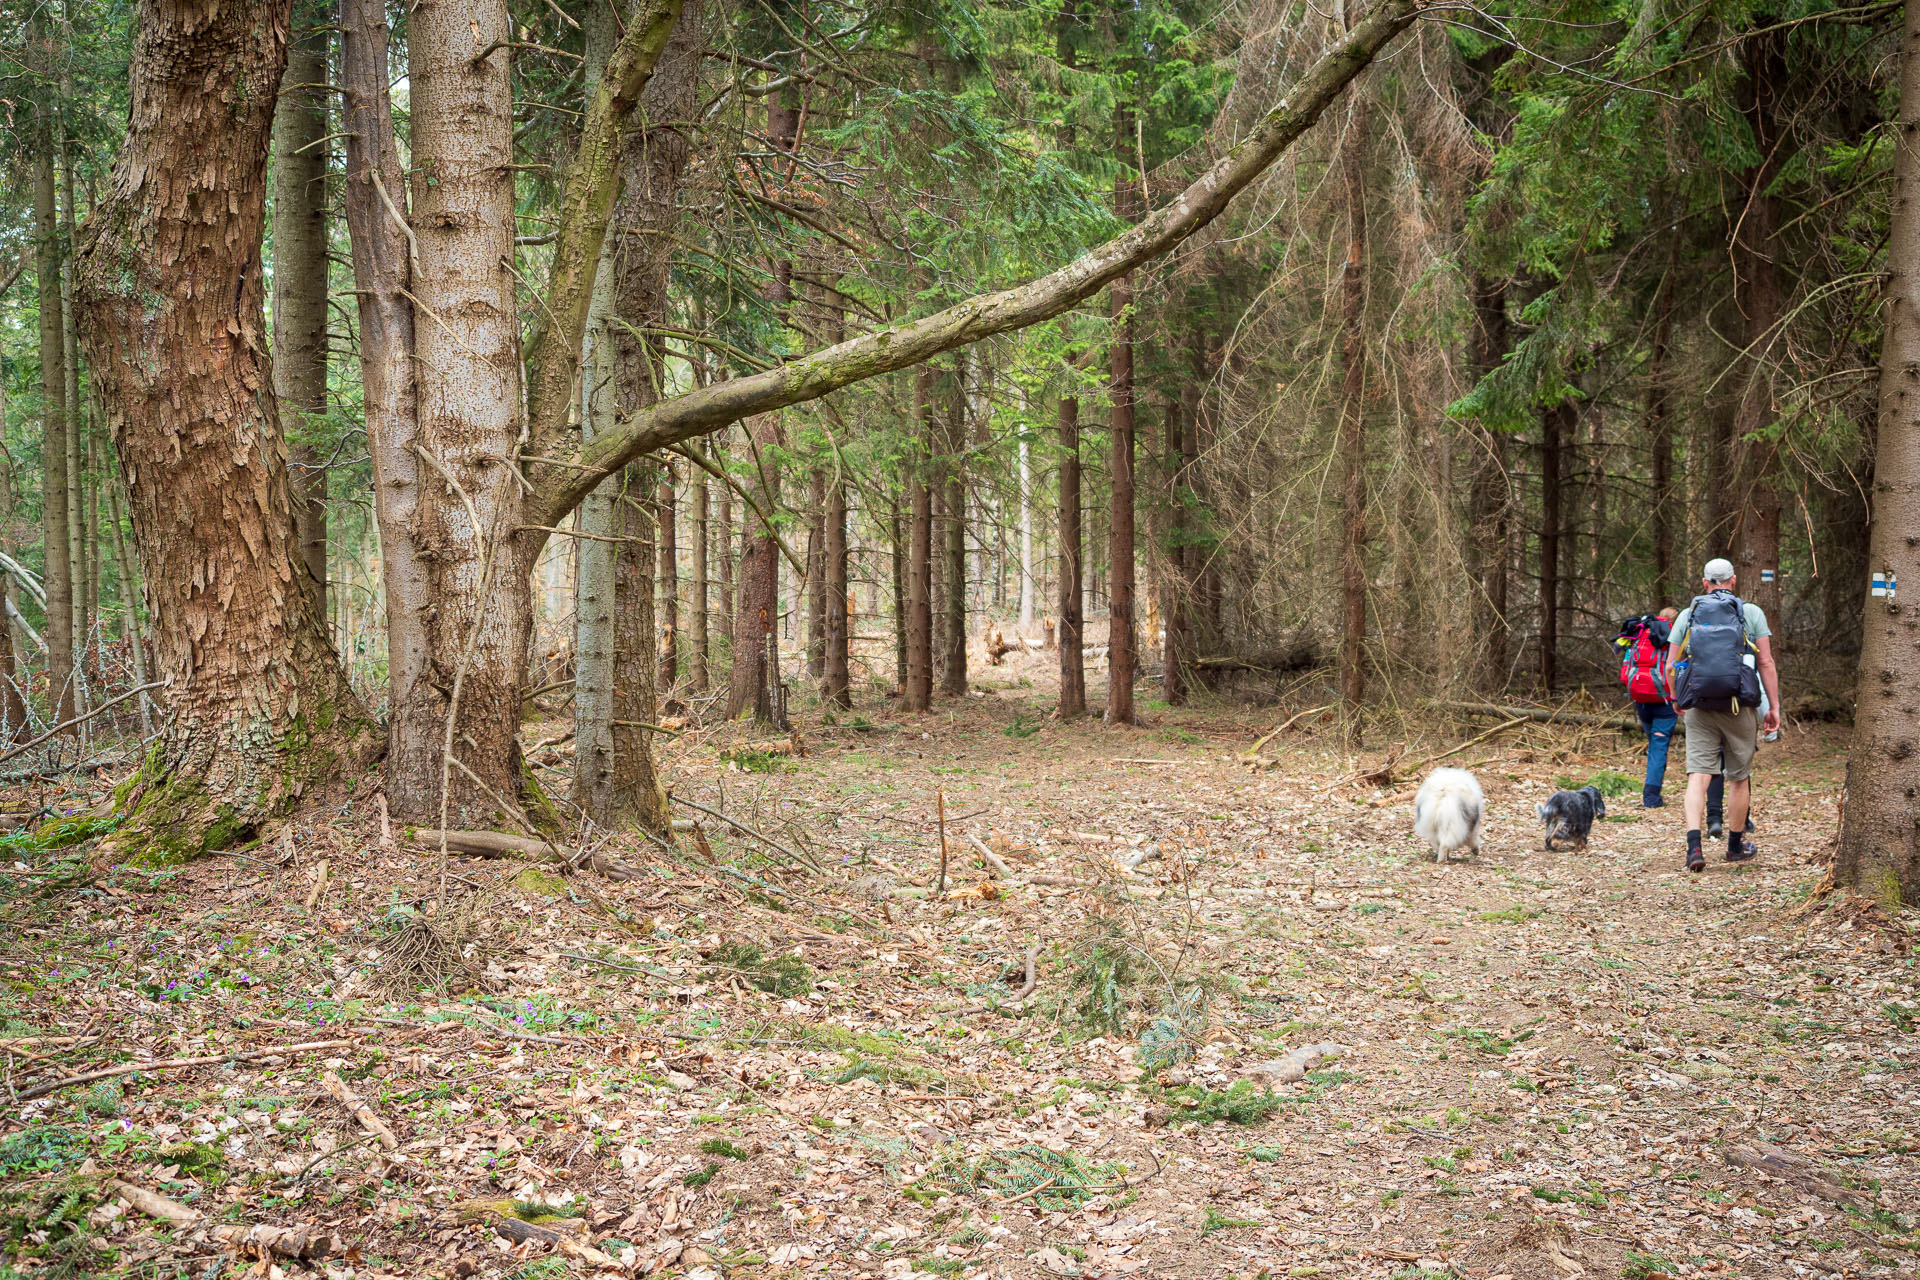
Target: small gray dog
<point x="1570" y="815"/>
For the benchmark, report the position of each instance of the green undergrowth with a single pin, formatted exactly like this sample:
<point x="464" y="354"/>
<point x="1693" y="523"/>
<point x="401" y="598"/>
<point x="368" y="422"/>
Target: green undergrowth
<point x="783" y="974"/>
<point x="1030" y="1174"/>
<point x="45" y="1227"/>
<point x="1240" y="1103"/>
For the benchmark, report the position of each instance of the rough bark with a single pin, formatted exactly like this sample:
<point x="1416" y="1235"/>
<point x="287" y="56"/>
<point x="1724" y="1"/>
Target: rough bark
<point x="902" y="346"/>
<point x="300" y="284"/>
<point x="723" y="543"/>
<point x="170" y="288"/>
<point x="1073" y="669"/>
<point x="916" y="691"/>
<point x="56" y="517"/>
<point x="1761" y="299"/>
<point x="1879" y="851"/>
<point x="1352" y="438"/>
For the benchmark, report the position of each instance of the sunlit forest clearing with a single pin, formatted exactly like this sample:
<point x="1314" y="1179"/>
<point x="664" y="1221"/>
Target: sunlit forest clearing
<point x="1172" y="639"/>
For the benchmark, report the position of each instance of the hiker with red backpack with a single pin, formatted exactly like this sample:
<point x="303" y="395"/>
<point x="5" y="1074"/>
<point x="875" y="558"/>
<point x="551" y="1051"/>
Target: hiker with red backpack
<point x="1720" y="669"/>
<point x="1643" y="661"/>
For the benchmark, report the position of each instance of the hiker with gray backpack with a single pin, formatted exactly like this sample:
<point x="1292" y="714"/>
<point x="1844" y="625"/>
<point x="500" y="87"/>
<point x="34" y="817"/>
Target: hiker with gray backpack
<point x="1720" y="668"/>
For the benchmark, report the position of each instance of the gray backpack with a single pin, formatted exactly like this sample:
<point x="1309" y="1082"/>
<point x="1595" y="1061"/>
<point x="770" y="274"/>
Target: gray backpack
<point x="1716" y="671"/>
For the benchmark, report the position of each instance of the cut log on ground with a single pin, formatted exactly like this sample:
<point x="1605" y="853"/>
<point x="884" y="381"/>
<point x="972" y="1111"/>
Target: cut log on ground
<point x="500" y="844"/>
<point x="264" y="1242"/>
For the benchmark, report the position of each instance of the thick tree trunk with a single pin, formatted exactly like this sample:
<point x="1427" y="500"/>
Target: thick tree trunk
<point x="1073" y="667"/>
<point x="56" y="517"/>
<point x="1879" y="852"/>
<point x="1556" y="424"/>
<point x="170" y="288"/>
<point x="1352" y="447"/>
<point x="478" y="614"/>
<point x="375" y="203"/>
<point x="916" y="691"/>
<point x="1761" y="300"/>
<point x="300" y="283"/>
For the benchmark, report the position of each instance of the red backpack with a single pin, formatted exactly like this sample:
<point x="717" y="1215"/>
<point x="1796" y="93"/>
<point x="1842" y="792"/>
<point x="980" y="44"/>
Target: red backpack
<point x="1643" y="651"/>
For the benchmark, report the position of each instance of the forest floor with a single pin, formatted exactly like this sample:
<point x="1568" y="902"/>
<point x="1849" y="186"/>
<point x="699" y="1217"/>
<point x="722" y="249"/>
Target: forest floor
<point x="1536" y="1065"/>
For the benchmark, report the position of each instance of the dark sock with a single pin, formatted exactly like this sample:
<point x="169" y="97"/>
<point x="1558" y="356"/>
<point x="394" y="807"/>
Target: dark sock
<point x="1693" y="840"/>
<point x="1733" y="841"/>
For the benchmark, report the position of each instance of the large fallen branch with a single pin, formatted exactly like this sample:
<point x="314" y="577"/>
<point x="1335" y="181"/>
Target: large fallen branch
<point x="709" y="408"/>
<point x="173" y="1064"/>
<point x="1545" y="715"/>
<point x="1297" y="657"/>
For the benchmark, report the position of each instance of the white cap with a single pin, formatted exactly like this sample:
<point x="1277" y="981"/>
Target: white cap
<point x="1718" y="570"/>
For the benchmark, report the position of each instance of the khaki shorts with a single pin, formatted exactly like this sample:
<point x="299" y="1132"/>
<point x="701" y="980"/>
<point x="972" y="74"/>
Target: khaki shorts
<point x="1723" y="741"/>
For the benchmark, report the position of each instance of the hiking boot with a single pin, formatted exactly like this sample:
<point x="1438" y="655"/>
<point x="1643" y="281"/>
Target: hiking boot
<point x="1651" y="799"/>
<point x="1747" y="851"/>
<point x="1696" y="861"/>
<point x="1715" y="827"/>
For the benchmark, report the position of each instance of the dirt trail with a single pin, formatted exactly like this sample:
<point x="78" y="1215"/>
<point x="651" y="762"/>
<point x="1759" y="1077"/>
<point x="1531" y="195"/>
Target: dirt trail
<point x="1548" y="1064"/>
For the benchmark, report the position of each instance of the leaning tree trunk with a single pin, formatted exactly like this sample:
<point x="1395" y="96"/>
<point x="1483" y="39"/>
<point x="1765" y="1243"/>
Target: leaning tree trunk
<point x="170" y="288"/>
<point x="300" y="283"/>
<point x="1879" y="852"/>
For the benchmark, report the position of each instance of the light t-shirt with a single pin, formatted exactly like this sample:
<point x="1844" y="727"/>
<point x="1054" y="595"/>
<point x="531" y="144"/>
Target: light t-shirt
<point x="1753" y="614"/>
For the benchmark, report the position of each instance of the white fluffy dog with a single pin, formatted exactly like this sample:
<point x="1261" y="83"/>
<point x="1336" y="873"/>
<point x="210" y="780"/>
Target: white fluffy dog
<point x="1446" y="813"/>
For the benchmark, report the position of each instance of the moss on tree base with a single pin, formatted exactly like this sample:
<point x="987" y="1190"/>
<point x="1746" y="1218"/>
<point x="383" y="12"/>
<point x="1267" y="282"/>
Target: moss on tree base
<point x="174" y="811"/>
